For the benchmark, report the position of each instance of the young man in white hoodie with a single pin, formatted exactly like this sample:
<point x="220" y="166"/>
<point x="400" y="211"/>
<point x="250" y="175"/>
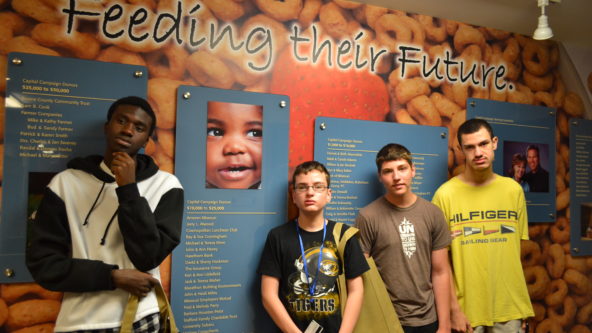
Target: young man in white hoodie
<point x="104" y="226"/>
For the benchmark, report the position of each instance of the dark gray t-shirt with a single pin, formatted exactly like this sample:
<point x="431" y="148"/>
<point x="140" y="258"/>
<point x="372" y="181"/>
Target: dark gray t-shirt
<point x="401" y="241"/>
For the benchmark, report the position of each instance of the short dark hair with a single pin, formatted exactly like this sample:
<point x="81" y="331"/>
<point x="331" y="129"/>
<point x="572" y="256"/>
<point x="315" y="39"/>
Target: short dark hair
<point x="307" y="167"/>
<point x="135" y="101"/>
<point x="533" y="147"/>
<point x="393" y="152"/>
<point x="472" y="126"/>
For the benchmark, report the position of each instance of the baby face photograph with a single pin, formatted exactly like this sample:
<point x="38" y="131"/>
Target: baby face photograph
<point x="234" y="145"/>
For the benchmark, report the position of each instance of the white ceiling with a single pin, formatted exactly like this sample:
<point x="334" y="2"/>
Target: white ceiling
<point x="570" y="20"/>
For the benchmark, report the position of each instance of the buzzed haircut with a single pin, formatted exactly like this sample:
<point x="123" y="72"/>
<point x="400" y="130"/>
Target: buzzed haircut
<point x="393" y="152"/>
<point x="135" y="101"/>
<point x="309" y="166"/>
<point x="471" y="126"/>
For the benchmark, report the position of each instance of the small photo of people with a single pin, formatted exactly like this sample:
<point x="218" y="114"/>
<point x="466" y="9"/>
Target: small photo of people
<point x="518" y="169"/>
<point x="526" y="163"/>
<point x="234" y="145"/>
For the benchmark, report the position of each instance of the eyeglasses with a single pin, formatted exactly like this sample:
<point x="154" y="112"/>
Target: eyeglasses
<point x="319" y="188"/>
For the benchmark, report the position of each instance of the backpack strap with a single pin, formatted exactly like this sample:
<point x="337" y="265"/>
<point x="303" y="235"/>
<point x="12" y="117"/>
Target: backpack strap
<point x="341" y="241"/>
<point x="337" y="232"/>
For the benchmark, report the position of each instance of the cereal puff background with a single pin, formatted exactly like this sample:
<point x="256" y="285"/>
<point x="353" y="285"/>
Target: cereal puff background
<point x="333" y="58"/>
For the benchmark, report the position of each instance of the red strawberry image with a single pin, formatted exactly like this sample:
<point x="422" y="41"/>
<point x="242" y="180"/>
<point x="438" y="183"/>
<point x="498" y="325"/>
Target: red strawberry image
<point x="319" y="90"/>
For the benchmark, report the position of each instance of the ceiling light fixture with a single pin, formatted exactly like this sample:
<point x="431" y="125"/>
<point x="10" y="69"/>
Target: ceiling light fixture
<point x="543" y="31"/>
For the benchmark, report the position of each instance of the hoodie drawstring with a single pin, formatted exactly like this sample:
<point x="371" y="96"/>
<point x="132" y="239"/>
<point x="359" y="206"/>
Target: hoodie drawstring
<point x="108" y="226"/>
<point x="93" y="205"/>
<point x="93" y="208"/>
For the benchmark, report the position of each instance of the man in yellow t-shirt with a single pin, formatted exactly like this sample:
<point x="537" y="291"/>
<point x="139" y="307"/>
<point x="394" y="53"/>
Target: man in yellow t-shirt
<point x="487" y="217"/>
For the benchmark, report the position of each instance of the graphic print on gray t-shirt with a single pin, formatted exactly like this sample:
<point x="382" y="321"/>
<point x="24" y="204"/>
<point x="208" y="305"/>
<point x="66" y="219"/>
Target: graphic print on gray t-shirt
<point x="407" y="233"/>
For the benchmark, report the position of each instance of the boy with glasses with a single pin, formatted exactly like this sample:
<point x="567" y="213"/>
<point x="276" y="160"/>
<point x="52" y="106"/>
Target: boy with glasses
<point x="299" y="265"/>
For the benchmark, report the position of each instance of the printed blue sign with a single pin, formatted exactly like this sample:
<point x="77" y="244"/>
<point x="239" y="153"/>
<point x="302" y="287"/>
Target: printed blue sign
<point x="235" y="185"/>
<point x="55" y="110"/>
<point x="348" y="149"/>
<point x="580" y="162"/>
<point x="525" y="150"/>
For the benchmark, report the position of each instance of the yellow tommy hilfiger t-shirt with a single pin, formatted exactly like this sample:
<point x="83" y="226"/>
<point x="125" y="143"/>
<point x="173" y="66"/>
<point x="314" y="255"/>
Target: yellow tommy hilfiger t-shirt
<point x="487" y="223"/>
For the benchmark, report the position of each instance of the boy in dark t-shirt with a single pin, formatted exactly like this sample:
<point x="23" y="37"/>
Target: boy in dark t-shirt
<point x="300" y="265"/>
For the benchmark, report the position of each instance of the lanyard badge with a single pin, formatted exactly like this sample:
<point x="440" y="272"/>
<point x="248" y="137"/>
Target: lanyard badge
<point x="312" y="286"/>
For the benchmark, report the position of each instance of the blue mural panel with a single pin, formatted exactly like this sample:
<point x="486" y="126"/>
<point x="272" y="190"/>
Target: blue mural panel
<point x="580" y="163"/>
<point x="232" y="159"/>
<point x="55" y="111"/>
<point x="527" y="137"/>
<point x="348" y="148"/>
